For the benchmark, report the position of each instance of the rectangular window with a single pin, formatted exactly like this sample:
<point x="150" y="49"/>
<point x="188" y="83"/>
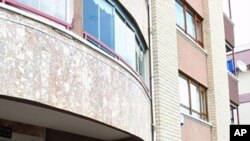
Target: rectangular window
<point x="192" y="98"/>
<point x="180" y="15"/>
<point x="190" y="24"/>
<point x="199" y="31"/>
<point x="55" y="8"/>
<point x="184" y="95"/>
<point x="98" y="21"/>
<point x="189" y="21"/>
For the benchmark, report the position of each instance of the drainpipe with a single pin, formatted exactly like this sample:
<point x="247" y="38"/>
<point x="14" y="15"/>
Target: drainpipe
<point x="151" y="71"/>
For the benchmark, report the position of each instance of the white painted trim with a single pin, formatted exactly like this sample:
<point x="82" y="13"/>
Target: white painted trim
<point x="230" y="20"/>
<point x="197" y="120"/>
<point x="190" y="40"/>
<point x="233" y="76"/>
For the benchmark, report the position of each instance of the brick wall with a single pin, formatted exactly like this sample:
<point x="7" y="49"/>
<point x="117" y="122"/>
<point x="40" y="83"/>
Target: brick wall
<point x="218" y="94"/>
<point x="165" y="71"/>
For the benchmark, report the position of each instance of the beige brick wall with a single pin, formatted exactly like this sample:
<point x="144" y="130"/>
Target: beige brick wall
<point x="165" y="71"/>
<point x="218" y="94"/>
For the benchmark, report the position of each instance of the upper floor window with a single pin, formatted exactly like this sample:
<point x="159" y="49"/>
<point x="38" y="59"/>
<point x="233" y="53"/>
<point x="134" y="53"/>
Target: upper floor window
<point x="188" y="21"/>
<point x="55" y="8"/>
<point x="110" y="27"/>
<point x="193" y="98"/>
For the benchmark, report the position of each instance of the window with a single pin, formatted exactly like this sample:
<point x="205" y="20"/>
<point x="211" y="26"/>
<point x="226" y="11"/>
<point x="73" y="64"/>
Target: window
<point x="111" y="27"/>
<point x="190" y="24"/>
<point x="55" y="8"/>
<point x="98" y="20"/>
<point x="234" y="114"/>
<point x="193" y="98"/>
<point x="180" y="15"/>
<point x="188" y="21"/>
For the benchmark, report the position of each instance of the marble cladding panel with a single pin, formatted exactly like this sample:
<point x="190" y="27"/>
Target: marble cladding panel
<point x="40" y="64"/>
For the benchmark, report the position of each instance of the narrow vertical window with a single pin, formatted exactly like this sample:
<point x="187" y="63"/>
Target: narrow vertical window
<point x="203" y="105"/>
<point x="199" y="31"/>
<point x="190" y="24"/>
<point x="180" y="15"/>
<point x="195" y="98"/>
<point x="184" y="95"/>
<point x="91" y="17"/>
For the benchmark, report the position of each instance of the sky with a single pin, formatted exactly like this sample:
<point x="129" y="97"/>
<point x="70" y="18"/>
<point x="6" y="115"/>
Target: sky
<point x="241" y="18"/>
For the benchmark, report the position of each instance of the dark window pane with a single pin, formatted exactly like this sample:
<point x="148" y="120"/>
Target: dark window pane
<point x="106" y="26"/>
<point x="90" y="13"/>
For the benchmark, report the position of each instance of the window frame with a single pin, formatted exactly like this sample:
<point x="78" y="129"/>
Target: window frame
<point x="17" y="4"/>
<point x="202" y="115"/>
<point x="117" y="10"/>
<point x="196" y="19"/>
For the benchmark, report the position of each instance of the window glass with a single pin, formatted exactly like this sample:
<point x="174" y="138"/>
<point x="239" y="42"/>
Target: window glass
<point x="140" y="60"/>
<point x="56" y="8"/>
<point x="130" y="47"/>
<point x="31" y="3"/>
<point x="184" y="94"/>
<point x="198" y="31"/>
<point x="179" y="15"/>
<point x="120" y="36"/>
<point x="195" y="97"/>
<point x="203" y="102"/>
<point x="91" y="17"/>
<point x="190" y="24"/>
<point x="106" y="25"/>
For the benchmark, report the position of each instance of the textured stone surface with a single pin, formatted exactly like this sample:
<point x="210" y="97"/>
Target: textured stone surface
<point x="39" y="64"/>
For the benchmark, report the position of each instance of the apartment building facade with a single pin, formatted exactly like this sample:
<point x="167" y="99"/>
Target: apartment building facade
<point x="242" y="58"/>
<point x="114" y="70"/>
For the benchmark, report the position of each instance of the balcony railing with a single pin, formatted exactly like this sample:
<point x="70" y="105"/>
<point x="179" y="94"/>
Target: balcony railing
<point x="14" y="3"/>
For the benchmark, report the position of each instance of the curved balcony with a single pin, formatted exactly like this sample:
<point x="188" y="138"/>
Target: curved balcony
<point x="46" y="64"/>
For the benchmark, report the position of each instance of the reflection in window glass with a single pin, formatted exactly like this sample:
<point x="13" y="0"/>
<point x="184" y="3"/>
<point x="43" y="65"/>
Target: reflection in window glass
<point x="179" y="15"/>
<point x="183" y="87"/>
<point x="190" y="24"/>
<point x="90" y="17"/>
<point x="195" y="97"/>
<point x="106" y="25"/>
